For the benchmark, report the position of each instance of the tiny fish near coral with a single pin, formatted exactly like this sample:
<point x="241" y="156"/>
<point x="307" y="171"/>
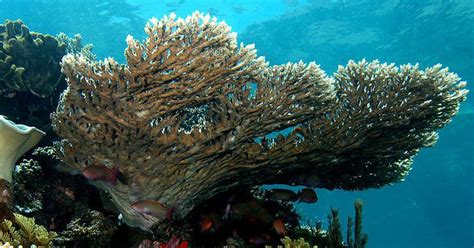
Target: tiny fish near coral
<point x="206" y="224"/>
<point x="283" y="195"/>
<point x="101" y="172"/>
<point x="307" y="195"/>
<point x="279" y="227"/>
<point x="151" y="207"/>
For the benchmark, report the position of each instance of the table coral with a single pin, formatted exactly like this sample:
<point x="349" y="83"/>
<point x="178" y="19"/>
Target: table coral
<point x="192" y="114"/>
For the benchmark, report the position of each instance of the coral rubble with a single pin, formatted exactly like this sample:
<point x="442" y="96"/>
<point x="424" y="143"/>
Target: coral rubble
<point x="190" y="114"/>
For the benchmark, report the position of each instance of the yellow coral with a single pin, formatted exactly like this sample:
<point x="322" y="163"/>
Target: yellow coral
<point x="299" y="243"/>
<point x="24" y="231"/>
<point x="9" y="234"/>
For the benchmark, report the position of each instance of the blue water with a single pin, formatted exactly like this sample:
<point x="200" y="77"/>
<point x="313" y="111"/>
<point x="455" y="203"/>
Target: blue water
<point x="434" y="207"/>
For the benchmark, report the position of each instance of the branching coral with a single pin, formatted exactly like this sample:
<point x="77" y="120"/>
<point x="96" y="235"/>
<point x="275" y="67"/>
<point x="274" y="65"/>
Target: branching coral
<point x="189" y="115"/>
<point x="74" y="45"/>
<point x="91" y="228"/>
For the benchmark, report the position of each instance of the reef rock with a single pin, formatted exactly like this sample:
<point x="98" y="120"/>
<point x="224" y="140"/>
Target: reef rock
<point x="193" y="114"/>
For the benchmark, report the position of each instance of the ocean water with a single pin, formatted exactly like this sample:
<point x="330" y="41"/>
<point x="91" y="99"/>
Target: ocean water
<point x="434" y="206"/>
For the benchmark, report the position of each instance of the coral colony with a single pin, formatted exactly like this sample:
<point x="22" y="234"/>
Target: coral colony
<point x="191" y="116"/>
<point x="180" y="120"/>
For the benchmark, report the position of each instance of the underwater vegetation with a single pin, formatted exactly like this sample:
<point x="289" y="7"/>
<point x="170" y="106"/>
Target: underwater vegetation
<point x="179" y="138"/>
<point x="310" y="236"/>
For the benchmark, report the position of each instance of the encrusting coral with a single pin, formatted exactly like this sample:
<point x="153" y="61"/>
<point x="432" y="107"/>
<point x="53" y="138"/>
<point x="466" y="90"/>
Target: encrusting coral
<point x="189" y="115"/>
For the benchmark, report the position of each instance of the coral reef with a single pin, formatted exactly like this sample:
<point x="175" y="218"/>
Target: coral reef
<point x="63" y="203"/>
<point x="190" y="114"/>
<point x="57" y="200"/>
<point x="243" y="217"/>
<point x="23" y="231"/>
<point x="30" y="75"/>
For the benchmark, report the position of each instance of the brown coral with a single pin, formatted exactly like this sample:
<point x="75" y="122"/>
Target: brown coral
<point x="190" y="116"/>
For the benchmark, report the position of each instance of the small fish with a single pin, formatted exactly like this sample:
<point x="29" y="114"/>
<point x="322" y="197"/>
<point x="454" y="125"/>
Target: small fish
<point x="102" y="173"/>
<point x="173" y="242"/>
<point x="183" y="244"/>
<point x="283" y="195"/>
<point x="308" y="195"/>
<point x="298" y="130"/>
<point x="264" y="143"/>
<point x="169" y="214"/>
<point x="227" y="212"/>
<point x="151" y="207"/>
<point x="206" y="224"/>
<point x="279" y="227"/>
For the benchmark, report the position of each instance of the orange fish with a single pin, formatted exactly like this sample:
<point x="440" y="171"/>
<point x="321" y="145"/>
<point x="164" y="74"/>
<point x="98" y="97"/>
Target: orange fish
<point x="151" y="207"/>
<point x="174" y="242"/>
<point x="279" y="227"/>
<point x="183" y="244"/>
<point x="102" y="173"/>
<point x="206" y="224"/>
